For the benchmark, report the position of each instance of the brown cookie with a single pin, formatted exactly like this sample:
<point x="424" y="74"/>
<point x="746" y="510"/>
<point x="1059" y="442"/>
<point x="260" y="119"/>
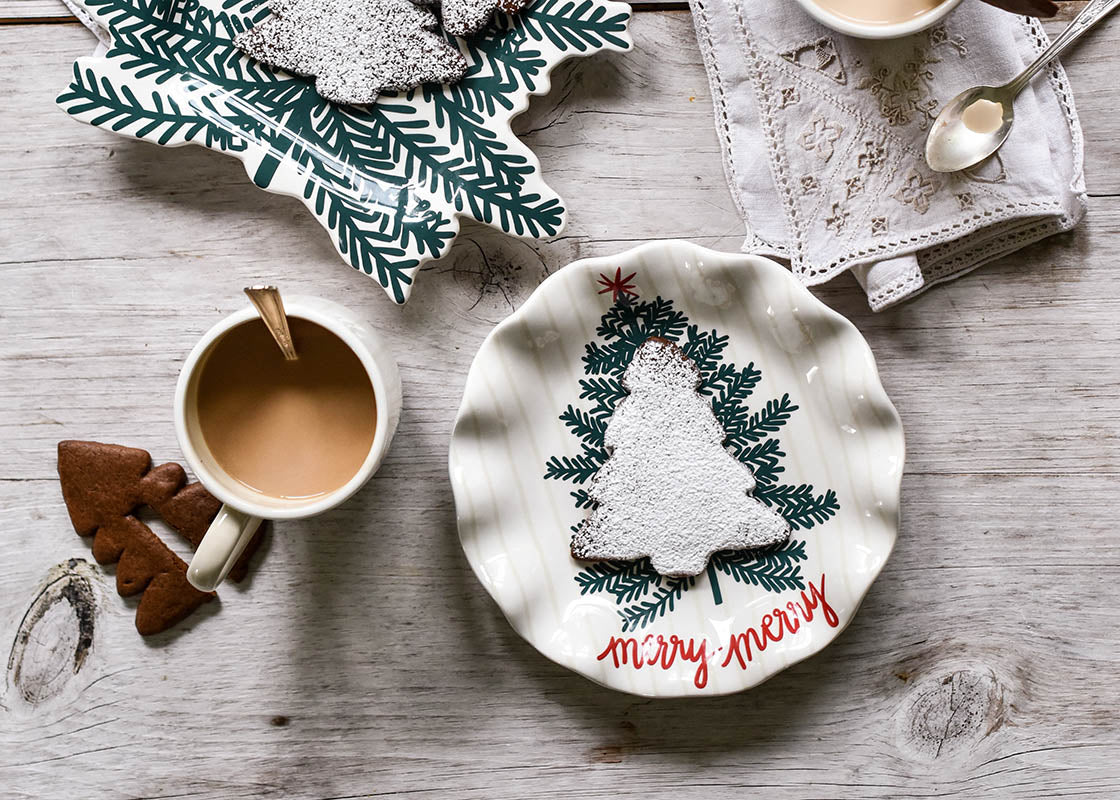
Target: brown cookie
<point x="465" y="17"/>
<point x="191" y="510"/>
<point x="103" y="485"/>
<point x="102" y="482"/>
<point x="146" y="565"/>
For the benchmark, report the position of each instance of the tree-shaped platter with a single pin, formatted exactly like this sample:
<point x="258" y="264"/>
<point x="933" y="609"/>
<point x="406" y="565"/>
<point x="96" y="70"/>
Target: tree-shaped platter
<point x="786" y="386"/>
<point x="389" y="181"/>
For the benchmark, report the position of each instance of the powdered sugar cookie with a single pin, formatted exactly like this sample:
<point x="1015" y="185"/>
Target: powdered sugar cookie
<point x="355" y="49"/>
<point x="669" y="490"/>
<point x="464" y="17"/>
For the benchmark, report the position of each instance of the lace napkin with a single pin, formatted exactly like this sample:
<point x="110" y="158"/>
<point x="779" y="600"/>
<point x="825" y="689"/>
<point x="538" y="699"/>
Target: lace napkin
<point x="823" y="138"/>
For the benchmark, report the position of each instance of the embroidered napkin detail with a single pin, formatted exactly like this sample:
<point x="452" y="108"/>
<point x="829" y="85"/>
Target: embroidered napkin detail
<point x="823" y="139"/>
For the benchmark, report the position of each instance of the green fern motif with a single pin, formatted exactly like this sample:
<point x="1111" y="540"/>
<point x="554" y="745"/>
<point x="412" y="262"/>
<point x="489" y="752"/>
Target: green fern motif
<point x="388" y="180"/>
<point x="663" y="602"/>
<point x="774" y="568"/>
<point x="627" y="581"/>
<point x="801" y="508"/>
<point x="704" y="347"/>
<point x="644" y="596"/>
<point x="578" y="469"/>
<point x="604" y="391"/>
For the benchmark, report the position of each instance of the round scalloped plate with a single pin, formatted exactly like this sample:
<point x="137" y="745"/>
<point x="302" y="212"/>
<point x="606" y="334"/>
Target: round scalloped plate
<point x="795" y="386"/>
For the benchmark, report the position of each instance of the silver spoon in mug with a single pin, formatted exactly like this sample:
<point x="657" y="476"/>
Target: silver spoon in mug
<point x="271" y="308"/>
<point x="977" y="121"/>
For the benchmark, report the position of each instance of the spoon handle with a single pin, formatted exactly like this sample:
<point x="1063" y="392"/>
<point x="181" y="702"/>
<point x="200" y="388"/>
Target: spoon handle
<point x="271" y="308"/>
<point x="1094" y="12"/>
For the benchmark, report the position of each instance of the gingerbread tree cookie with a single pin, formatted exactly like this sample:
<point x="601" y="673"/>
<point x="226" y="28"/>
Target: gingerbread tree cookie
<point x="103" y="485"/>
<point x="669" y="490"/>
<point x="355" y="49"/>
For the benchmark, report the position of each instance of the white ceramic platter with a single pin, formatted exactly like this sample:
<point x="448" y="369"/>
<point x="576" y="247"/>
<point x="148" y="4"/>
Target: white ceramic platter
<point x="796" y="388"/>
<point x="389" y="181"/>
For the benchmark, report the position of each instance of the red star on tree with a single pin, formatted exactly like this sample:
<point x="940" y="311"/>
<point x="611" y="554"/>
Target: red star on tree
<point x="617" y="285"/>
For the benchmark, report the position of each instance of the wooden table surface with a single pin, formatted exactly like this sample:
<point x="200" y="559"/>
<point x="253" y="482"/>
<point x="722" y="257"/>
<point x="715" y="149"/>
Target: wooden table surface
<point x="363" y="659"/>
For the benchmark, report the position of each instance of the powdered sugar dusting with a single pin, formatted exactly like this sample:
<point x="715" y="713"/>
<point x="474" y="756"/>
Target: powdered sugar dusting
<point x="355" y="48"/>
<point x="670" y="491"/>
<point x="464" y="17"/>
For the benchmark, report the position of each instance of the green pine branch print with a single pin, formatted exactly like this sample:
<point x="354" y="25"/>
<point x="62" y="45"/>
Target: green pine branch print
<point x="663" y="601"/>
<point x="605" y="392"/>
<point x="643" y="595"/>
<point x="764" y="458"/>
<point x="362" y="235"/>
<point x="568" y="25"/>
<point x="599" y="359"/>
<point x="704" y="347"/>
<point x="770" y="419"/>
<point x="159" y="117"/>
<point x="626" y="581"/>
<point x="583" y="499"/>
<point x="798" y="504"/>
<point x="775" y="568"/>
<point x="578" y="469"/>
<point x="729" y="388"/>
<point x="387" y="180"/>
<point x="634" y="322"/>
<point x="589" y="427"/>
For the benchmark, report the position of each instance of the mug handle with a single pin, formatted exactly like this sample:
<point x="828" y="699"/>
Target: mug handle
<point x="219" y="549"/>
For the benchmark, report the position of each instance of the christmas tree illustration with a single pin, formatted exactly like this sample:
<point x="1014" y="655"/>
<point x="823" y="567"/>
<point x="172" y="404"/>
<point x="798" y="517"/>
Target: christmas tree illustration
<point x="670" y="491"/>
<point x="643" y="595"/>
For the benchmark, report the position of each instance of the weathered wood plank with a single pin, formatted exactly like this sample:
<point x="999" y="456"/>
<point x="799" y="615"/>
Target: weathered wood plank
<point x="33" y="9"/>
<point x="364" y="659"/>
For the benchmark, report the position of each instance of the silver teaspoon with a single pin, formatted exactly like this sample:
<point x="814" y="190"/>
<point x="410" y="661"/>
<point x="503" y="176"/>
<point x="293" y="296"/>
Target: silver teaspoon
<point x="977" y="121"/>
<point x="271" y="308"/>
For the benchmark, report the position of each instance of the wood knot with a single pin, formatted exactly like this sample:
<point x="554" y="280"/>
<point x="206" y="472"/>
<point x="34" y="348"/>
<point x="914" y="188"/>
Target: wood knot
<point x="952" y="712"/>
<point x="56" y="633"/>
<point x="495" y="270"/>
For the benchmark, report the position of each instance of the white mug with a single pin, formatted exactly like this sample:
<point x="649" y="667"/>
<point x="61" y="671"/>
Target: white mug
<point x="243" y="509"/>
<point x="865" y="30"/>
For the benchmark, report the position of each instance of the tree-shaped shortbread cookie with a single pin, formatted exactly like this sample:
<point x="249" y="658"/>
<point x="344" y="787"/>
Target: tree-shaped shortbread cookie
<point x="669" y="490"/>
<point x="355" y="49"/>
<point x="464" y="17"/>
